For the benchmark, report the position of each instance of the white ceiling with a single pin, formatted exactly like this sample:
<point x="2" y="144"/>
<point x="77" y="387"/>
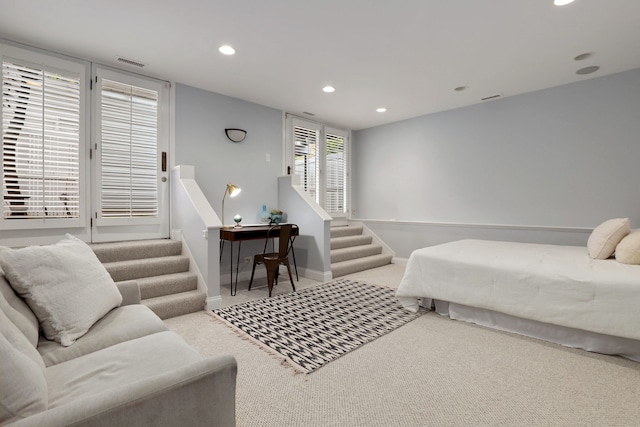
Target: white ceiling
<point x="405" y="55"/>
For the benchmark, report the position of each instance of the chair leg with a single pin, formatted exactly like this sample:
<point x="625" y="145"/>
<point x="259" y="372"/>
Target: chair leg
<point x="286" y="262"/>
<point x="271" y="266"/>
<point x="295" y="266"/>
<point x="253" y="270"/>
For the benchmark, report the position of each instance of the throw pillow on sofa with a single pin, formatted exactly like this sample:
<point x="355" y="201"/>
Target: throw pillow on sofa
<point x="64" y="284"/>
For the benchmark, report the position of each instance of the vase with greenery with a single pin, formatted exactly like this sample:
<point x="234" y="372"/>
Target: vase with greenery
<point x="276" y="216"/>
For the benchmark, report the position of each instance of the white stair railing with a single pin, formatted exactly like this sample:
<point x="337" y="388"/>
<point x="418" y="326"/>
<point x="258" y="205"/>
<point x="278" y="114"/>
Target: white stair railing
<point x="195" y="220"/>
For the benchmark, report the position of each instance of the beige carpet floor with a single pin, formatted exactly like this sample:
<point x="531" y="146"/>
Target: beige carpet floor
<point x="432" y="371"/>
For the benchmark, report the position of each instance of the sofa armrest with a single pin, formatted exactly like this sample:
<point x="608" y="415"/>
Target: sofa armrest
<point x="130" y="291"/>
<point x="202" y="393"/>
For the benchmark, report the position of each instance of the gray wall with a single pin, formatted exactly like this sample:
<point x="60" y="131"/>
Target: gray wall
<point x="200" y="141"/>
<point x="201" y="118"/>
<point x="565" y="157"/>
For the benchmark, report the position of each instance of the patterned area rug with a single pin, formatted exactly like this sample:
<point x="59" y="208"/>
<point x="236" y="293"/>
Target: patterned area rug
<point x="312" y="327"/>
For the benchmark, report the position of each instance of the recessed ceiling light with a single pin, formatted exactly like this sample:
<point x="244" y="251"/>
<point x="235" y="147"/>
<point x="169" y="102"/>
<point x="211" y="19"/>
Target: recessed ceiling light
<point x="381" y="110"/>
<point x="328" y="89"/>
<point x="562" y="2"/>
<point x="588" y="70"/>
<point x="583" y="56"/>
<point x="226" y="50"/>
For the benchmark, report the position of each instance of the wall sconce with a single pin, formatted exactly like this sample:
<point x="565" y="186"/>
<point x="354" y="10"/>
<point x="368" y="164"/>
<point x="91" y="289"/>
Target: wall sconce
<point x="236" y="135"/>
<point x="233" y="191"/>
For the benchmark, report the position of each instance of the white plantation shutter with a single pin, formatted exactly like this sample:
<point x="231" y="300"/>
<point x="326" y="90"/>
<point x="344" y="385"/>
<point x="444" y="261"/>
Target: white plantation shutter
<point x="41" y="137"/>
<point x="128" y="151"/>
<point x="320" y="161"/>
<point x="336" y="184"/>
<point x="306" y="140"/>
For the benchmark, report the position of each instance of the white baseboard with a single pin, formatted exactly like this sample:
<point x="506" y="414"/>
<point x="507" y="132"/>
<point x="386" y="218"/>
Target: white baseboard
<point x="399" y="261"/>
<point x="213" y="303"/>
<point x="261" y="274"/>
<point x="316" y="275"/>
<point x="225" y="278"/>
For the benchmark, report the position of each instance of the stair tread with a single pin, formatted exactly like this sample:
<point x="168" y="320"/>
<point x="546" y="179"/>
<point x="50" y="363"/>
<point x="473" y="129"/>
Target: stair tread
<point x="167" y="306"/>
<point x="139" y="268"/>
<point x="154" y="260"/>
<point x="166" y="277"/>
<point x="172" y="297"/>
<point x="347" y="241"/>
<point x="353" y="252"/>
<point x="349" y="230"/>
<point x="363" y="259"/>
<point x="167" y="284"/>
<point x="353" y="266"/>
<point x="354" y="248"/>
<point x="136" y="249"/>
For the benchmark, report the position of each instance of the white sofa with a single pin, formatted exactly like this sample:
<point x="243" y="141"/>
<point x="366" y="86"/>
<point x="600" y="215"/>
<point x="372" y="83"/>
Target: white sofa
<point x="127" y="369"/>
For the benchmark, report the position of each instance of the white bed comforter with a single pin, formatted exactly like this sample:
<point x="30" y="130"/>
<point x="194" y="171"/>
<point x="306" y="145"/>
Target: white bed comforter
<point x="554" y="284"/>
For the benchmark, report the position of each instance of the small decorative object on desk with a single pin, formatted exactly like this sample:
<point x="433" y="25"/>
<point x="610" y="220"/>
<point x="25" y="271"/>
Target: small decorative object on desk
<point x="264" y="215"/>
<point x="237" y="219"/>
<point x="276" y="216"/>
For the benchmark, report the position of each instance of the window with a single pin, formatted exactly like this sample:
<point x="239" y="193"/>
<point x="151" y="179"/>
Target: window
<point x="305" y="145"/>
<point x="335" y="151"/>
<point x="42" y="140"/>
<point x="320" y="161"/>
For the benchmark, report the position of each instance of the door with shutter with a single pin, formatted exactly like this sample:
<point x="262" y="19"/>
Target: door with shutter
<point x="130" y="197"/>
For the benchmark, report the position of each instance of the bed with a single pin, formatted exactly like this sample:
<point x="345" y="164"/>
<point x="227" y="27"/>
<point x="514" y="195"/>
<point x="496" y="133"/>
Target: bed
<point x="551" y="292"/>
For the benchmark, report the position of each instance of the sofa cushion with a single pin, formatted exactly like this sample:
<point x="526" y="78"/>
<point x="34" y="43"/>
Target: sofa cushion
<point x="119" y="325"/>
<point x="17" y="339"/>
<point x="118" y="365"/>
<point x="64" y="284"/>
<point x="604" y="238"/>
<point x="23" y="389"/>
<point x="18" y="312"/>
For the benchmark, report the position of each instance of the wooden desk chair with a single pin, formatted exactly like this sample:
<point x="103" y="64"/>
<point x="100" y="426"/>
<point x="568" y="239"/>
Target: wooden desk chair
<point x="272" y="260"/>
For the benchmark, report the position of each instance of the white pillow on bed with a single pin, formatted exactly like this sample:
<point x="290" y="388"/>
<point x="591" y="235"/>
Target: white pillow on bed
<point x="628" y="250"/>
<point x="605" y="237"/>
<point x="65" y="285"/>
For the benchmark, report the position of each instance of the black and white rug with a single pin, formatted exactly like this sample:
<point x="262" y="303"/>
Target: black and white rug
<point x="314" y="326"/>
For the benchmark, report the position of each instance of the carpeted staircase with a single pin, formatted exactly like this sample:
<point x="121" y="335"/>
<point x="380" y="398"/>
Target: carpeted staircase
<point x="166" y="285"/>
<point x="353" y="251"/>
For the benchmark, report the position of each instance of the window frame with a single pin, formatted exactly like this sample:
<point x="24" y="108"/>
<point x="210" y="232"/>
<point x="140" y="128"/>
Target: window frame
<point x="291" y="122"/>
<point x="78" y="69"/>
<point x="328" y="175"/>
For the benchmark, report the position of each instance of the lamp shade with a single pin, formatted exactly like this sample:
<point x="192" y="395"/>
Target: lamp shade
<point x="233" y="190"/>
<point x="235" y="135"/>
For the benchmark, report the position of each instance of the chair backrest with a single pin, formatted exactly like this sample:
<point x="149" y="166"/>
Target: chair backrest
<point x="283" y="240"/>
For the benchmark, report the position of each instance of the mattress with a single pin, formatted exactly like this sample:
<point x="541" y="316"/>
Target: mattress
<point x="559" y="285"/>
